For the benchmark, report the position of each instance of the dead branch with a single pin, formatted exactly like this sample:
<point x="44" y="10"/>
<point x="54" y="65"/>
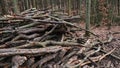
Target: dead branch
<point x="48" y="33"/>
<point x="13" y="43"/>
<point x="69" y="23"/>
<point x="88" y="55"/>
<point x="112" y="55"/>
<point x="106" y="54"/>
<point x="12" y="51"/>
<point x="44" y="60"/>
<point x="44" y="44"/>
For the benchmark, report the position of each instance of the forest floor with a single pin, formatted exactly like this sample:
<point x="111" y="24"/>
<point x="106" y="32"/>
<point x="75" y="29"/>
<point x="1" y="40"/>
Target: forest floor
<point x="45" y="42"/>
<point x="108" y="62"/>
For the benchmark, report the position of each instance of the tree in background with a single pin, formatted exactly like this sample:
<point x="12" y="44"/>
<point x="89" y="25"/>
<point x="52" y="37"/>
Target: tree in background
<point x="2" y="4"/>
<point x="16" y="9"/>
<point x="88" y="11"/>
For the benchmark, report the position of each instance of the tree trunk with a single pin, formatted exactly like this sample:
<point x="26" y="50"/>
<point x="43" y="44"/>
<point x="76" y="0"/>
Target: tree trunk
<point x="88" y="9"/>
<point x="2" y="4"/>
<point x="16" y="10"/>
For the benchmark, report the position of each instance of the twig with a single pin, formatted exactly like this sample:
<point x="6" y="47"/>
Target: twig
<point x="94" y="59"/>
<point x="112" y="55"/>
<point x="106" y="54"/>
<point x="116" y="33"/>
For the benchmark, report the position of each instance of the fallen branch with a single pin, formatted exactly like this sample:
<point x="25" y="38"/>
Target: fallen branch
<point x="106" y="54"/>
<point x="12" y="51"/>
<point x="69" y="23"/>
<point x="44" y="60"/>
<point x="44" y="44"/>
<point x="25" y="37"/>
<point x="13" y="43"/>
<point x="47" y="33"/>
<point x="82" y="61"/>
<point x="112" y="55"/>
<point x="64" y="60"/>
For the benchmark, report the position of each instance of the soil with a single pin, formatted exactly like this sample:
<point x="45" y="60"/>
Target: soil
<point x="108" y="62"/>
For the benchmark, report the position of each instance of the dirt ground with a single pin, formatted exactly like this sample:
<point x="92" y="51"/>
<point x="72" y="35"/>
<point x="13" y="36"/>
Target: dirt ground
<point x="108" y="62"/>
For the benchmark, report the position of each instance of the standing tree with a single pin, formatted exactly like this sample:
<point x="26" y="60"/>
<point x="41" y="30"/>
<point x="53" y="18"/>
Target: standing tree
<point x="2" y="4"/>
<point x="88" y="9"/>
<point x="118" y="7"/>
<point x="69" y="7"/>
<point x="16" y="10"/>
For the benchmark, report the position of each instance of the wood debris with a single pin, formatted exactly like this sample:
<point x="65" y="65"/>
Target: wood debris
<point x="43" y="39"/>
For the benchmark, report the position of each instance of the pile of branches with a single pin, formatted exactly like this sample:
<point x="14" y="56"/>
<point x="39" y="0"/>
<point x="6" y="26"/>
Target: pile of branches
<point x="45" y="39"/>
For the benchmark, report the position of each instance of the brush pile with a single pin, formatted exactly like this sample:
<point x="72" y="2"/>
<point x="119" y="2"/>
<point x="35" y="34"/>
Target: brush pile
<point x="46" y="39"/>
